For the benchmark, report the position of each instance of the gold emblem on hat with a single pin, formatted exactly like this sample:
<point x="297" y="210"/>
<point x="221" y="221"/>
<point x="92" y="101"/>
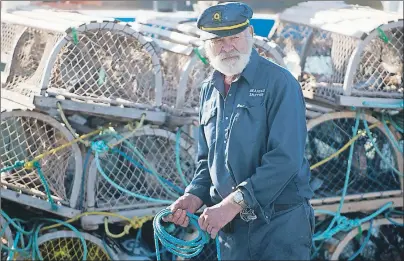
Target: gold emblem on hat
<point x="217" y="17"/>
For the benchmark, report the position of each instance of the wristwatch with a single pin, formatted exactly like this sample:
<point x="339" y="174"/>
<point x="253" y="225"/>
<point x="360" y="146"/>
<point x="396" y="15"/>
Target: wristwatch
<point x="238" y="198"/>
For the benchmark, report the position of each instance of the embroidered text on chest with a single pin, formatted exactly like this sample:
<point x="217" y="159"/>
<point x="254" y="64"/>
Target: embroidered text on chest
<point x="257" y="92"/>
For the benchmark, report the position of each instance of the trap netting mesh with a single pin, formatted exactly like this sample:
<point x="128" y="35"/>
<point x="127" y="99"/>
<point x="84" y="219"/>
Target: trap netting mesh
<point x="67" y="245"/>
<point x="320" y="57"/>
<point x="379" y="239"/>
<point x="27" y="50"/>
<point x="195" y="74"/>
<point x="173" y="64"/>
<point x="269" y="50"/>
<point x="370" y="172"/>
<point x="26" y="135"/>
<point x="321" y="60"/>
<point x="106" y="62"/>
<point x="150" y="168"/>
<point x="380" y="70"/>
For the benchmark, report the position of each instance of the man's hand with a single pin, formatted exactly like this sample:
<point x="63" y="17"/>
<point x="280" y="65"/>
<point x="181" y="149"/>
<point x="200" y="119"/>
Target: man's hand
<point x="186" y="203"/>
<point x="216" y="217"/>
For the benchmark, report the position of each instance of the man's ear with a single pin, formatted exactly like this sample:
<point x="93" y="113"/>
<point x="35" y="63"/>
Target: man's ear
<point x="252" y="30"/>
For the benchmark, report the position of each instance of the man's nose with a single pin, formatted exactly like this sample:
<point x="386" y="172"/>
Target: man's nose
<point x="227" y="46"/>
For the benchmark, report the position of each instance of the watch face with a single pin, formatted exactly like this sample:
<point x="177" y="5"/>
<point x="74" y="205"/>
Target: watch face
<point x="238" y="197"/>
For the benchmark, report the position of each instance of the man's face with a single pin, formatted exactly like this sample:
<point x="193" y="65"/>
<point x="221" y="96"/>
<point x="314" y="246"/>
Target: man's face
<point x="230" y="54"/>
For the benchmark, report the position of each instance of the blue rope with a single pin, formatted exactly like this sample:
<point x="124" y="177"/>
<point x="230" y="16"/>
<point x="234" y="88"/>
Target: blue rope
<point x="103" y="148"/>
<point x="100" y="146"/>
<point x="176" y="246"/>
<point x="393" y="140"/>
<point x="137" y="164"/>
<point x="326" y="233"/>
<point x="395" y="124"/>
<point x="378" y="151"/>
<point x="365" y="242"/>
<point x="34" y="234"/>
<point x="384" y="105"/>
<point x="54" y="206"/>
<point x="17" y="164"/>
<point x="11" y="254"/>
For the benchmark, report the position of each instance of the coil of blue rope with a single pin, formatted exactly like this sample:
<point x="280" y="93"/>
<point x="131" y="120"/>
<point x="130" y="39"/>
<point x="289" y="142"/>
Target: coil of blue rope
<point x="179" y="247"/>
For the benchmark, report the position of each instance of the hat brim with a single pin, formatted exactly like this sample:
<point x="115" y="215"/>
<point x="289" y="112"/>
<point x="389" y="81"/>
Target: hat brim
<point x="209" y="35"/>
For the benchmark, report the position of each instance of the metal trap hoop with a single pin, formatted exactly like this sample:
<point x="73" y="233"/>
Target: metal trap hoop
<point x="353" y="233"/>
<point x="67" y="245"/>
<point x="25" y="135"/>
<point x="107" y="62"/>
<point x="371" y="180"/>
<point x="348" y="55"/>
<point x="161" y="152"/>
<point x="176" y="49"/>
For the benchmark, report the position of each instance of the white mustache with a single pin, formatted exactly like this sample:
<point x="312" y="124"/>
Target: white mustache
<point x="232" y="54"/>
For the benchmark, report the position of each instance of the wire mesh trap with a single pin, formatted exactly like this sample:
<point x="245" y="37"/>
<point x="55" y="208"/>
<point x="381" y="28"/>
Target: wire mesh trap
<point x="25" y="50"/>
<point x="26" y="136"/>
<point x="68" y="245"/>
<point x="376" y="164"/>
<point x="149" y="169"/>
<point x="6" y="238"/>
<point x="341" y="51"/>
<point x="379" y="239"/>
<point x="106" y="62"/>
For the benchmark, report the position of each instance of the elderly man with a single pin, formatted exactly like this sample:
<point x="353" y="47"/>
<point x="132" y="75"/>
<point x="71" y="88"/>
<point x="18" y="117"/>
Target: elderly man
<point x="252" y="173"/>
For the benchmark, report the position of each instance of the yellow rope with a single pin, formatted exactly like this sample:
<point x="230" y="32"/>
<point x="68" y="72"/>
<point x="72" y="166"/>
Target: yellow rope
<point x="69" y="127"/>
<point x="133" y="131"/>
<point x="135" y="222"/>
<point x="346" y="146"/>
<point x="30" y="164"/>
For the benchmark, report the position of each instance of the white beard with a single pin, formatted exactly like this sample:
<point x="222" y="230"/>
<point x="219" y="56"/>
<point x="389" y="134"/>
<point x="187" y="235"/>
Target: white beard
<point x="231" y="66"/>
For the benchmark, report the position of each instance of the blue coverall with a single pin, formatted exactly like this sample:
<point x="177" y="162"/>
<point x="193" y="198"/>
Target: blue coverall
<point x="254" y="139"/>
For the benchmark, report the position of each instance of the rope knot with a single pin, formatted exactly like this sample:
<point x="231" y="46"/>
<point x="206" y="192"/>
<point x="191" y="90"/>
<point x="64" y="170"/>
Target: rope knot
<point x="346" y="224"/>
<point x="19" y="164"/>
<point x="99" y="146"/>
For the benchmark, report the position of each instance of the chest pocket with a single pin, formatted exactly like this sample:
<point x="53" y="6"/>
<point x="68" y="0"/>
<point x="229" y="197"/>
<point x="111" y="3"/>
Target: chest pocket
<point x="248" y="122"/>
<point x="208" y="122"/>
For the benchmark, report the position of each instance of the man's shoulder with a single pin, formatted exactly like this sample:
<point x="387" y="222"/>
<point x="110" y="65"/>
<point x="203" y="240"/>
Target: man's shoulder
<point x="274" y="69"/>
<point x="275" y="73"/>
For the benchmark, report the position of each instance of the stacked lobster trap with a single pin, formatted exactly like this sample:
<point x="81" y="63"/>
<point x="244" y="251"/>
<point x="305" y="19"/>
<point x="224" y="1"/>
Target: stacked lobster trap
<point x="85" y="131"/>
<point x="349" y="61"/>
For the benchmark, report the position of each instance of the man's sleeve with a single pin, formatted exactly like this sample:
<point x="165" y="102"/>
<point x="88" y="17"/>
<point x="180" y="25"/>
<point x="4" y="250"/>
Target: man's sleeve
<point x="285" y="148"/>
<point x="201" y="182"/>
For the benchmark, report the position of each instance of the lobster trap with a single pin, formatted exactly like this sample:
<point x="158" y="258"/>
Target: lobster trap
<point x="87" y="63"/>
<point x="344" y="55"/>
<point x="378" y="239"/>
<point x="30" y="173"/>
<point x="105" y="62"/>
<point x="25" y="50"/>
<point x="138" y="176"/>
<point x="371" y="175"/>
<point x="69" y="245"/>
